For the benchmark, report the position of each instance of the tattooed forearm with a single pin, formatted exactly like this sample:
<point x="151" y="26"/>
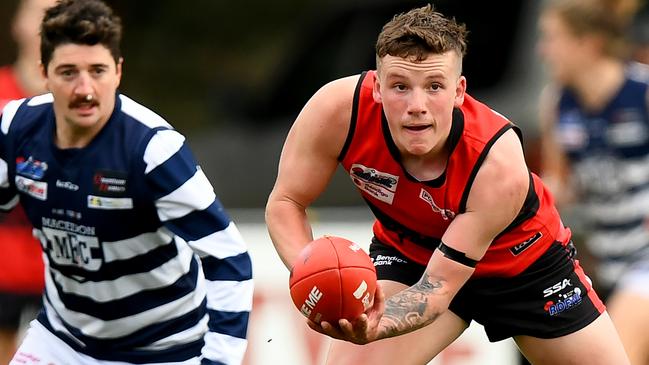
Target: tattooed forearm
<point x="410" y="310"/>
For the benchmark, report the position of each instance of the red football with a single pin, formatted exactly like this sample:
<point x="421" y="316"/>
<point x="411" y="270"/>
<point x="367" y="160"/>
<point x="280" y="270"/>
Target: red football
<point x="333" y="278"/>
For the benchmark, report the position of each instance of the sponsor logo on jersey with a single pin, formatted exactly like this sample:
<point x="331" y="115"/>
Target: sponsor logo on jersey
<point x="102" y="202"/>
<point x="30" y="167"/>
<point x="67" y="213"/>
<point x="383" y="260"/>
<point x="567" y="302"/>
<point x="35" y="189"/>
<point x="68" y="226"/>
<point x="110" y="183"/>
<point x="516" y="250"/>
<point x="66" y="185"/>
<point x="70" y="244"/>
<point x="556" y="287"/>
<point x="445" y="213"/>
<point x="380" y="185"/>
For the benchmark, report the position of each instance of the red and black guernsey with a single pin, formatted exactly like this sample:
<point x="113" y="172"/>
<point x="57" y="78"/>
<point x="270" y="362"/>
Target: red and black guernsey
<point x="413" y="215"/>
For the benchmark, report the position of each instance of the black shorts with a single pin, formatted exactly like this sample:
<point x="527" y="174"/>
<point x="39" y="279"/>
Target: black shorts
<point x="12" y="307"/>
<point x="551" y="298"/>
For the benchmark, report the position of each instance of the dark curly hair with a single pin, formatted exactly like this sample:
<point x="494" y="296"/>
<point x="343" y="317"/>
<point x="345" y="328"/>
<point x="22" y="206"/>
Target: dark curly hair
<point x="83" y="22"/>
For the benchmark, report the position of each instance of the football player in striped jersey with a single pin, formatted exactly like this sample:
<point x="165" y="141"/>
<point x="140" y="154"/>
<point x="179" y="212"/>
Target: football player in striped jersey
<point x="143" y="264"/>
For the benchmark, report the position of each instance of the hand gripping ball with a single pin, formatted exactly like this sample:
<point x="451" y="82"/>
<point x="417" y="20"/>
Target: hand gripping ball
<point x="332" y="278"/>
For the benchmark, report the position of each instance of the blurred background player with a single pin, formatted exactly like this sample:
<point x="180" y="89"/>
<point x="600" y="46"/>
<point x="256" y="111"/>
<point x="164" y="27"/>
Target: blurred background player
<point x="595" y="150"/>
<point x="639" y="35"/>
<point x="21" y="276"/>
<point x="143" y="264"/>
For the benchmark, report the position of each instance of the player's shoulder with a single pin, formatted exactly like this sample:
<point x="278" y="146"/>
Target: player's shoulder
<point x="505" y="158"/>
<point x="345" y="83"/>
<point x="24" y="113"/>
<point x="551" y="93"/>
<point x="144" y="131"/>
<point x="339" y="91"/>
<point x="141" y="115"/>
<point x="476" y="110"/>
<point x="331" y="103"/>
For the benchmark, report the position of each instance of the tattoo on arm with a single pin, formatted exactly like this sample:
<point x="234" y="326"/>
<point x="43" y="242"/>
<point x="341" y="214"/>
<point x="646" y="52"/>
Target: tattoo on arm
<point x="409" y="310"/>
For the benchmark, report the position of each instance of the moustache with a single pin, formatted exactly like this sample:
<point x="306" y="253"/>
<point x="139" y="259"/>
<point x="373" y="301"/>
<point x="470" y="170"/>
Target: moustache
<point x="82" y="101"/>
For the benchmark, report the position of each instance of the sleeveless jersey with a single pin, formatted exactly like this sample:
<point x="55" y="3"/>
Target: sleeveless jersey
<point x="143" y="264"/>
<point x="609" y="155"/>
<point x="21" y="263"/>
<point x="413" y="215"/>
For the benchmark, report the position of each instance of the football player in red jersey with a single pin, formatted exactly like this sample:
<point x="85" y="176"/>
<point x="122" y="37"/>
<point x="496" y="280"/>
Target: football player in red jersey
<point x="469" y="232"/>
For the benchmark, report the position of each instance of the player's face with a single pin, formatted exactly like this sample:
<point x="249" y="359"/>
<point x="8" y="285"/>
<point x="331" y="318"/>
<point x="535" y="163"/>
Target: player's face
<point x="418" y="100"/>
<point x="562" y="51"/>
<point x="83" y="80"/>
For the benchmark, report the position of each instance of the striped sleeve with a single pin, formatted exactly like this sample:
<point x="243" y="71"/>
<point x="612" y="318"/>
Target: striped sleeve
<point x="187" y="205"/>
<point x="8" y="195"/>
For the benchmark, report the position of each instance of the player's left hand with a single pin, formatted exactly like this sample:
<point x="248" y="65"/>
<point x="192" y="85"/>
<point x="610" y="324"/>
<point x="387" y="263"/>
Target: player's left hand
<point x="360" y="331"/>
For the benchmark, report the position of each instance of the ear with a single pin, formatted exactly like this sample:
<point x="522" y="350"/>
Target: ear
<point x="460" y="90"/>
<point x="376" y="92"/>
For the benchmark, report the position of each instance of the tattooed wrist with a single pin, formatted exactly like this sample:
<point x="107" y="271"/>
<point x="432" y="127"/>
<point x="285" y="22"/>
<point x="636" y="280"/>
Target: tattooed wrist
<point x="412" y="308"/>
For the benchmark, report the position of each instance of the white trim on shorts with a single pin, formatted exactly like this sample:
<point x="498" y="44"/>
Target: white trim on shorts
<point x="40" y="346"/>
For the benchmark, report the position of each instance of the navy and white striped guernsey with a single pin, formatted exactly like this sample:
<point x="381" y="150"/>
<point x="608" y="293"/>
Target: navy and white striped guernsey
<point x="609" y="154"/>
<point x="141" y="258"/>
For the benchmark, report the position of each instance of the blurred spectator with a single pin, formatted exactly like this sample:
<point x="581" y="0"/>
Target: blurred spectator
<point x="21" y="276"/>
<point x="640" y="35"/>
<point x="595" y="137"/>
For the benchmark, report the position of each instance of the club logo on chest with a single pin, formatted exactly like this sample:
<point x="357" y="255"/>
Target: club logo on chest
<point x="446" y="214"/>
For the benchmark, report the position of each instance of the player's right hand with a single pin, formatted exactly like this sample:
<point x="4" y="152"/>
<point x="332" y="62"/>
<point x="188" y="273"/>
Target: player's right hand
<point x="363" y="330"/>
